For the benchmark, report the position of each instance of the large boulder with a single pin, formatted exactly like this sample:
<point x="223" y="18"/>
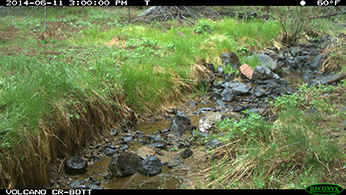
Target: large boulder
<point x="75" y="165"/>
<point x="179" y="124"/>
<point x="125" y="164"/>
<point x="151" y="166"/>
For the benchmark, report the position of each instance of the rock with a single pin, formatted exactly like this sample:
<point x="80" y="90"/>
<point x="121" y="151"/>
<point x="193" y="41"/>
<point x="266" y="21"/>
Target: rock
<point x="295" y="51"/>
<point x="314" y="83"/>
<point x="193" y="103"/>
<point x="327" y="78"/>
<point x="220" y="103"/>
<point x="268" y="62"/>
<point x="316" y="63"/>
<point x="109" y="151"/>
<point x="127" y="139"/>
<point x="160" y="145"/>
<point x="152" y="139"/>
<point x="227" y="95"/>
<point x="151" y="166"/>
<point x="139" y="134"/>
<point x="238" y="108"/>
<point x="262" y="73"/>
<point x="113" y="132"/>
<point x="237" y="87"/>
<point x="124" y="164"/>
<point x="254" y="110"/>
<point x="212" y="144"/>
<point x="186" y="153"/>
<point x="230" y="59"/>
<point x="179" y="124"/>
<point x="245" y="71"/>
<point x="220" y="70"/>
<point x="94" y="186"/>
<point x="75" y="165"/>
<point x="215" y="96"/>
<point x="259" y="92"/>
<point x="78" y="184"/>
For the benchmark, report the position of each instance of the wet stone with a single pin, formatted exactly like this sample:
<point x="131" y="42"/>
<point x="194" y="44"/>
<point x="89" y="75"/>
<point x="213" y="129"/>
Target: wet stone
<point x="227" y="95"/>
<point x="316" y="62"/>
<point x="237" y="87"/>
<point x="186" y="153"/>
<point x="125" y="164"/>
<point x="75" y="165"/>
<point x="109" y="151"/>
<point x="78" y="184"/>
<point x="212" y="144"/>
<point x="151" y="166"/>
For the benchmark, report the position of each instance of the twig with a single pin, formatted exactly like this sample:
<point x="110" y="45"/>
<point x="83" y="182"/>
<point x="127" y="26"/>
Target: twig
<point x="321" y="163"/>
<point x="287" y="146"/>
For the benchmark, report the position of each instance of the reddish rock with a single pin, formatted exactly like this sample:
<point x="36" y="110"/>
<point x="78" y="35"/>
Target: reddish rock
<point x="245" y="71"/>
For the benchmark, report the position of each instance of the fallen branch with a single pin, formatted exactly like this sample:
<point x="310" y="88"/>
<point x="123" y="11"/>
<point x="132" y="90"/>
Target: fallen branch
<point x="328" y="15"/>
<point x="335" y="80"/>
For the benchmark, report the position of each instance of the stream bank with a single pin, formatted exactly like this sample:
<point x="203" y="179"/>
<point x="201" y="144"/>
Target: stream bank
<point x="178" y="139"/>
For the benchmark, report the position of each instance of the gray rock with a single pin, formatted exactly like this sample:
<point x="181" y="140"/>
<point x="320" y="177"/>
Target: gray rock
<point x="151" y="166"/>
<point x="295" y="51"/>
<point x="316" y="62"/>
<point x="220" y="103"/>
<point x="94" y="186"/>
<point x="179" y="124"/>
<point x="259" y="92"/>
<point x="238" y="87"/>
<point x="152" y="139"/>
<point x="109" y="151"/>
<point x="212" y="144"/>
<point x="254" y="110"/>
<point x="327" y="78"/>
<point x="263" y="73"/>
<point x="227" y="95"/>
<point x="75" y="165"/>
<point x="268" y="62"/>
<point x="124" y="164"/>
<point x="220" y="70"/>
<point x="77" y="184"/>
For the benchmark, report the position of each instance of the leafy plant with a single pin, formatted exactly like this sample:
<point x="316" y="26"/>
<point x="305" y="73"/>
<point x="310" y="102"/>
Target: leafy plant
<point x="203" y="26"/>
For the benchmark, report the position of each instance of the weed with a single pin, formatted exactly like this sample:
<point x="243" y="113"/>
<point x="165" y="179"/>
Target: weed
<point x="204" y="26"/>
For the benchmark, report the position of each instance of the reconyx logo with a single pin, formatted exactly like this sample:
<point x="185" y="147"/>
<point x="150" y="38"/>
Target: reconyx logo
<point x="324" y="188"/>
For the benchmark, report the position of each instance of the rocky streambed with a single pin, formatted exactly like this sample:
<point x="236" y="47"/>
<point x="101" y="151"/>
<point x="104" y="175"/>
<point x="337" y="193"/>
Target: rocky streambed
<point x="165" y="152"/>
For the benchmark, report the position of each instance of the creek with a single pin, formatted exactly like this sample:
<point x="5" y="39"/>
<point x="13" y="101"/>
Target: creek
<point x="175" y="138"/>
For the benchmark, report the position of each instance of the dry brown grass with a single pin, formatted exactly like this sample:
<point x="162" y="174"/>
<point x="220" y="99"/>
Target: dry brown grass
<point x="60" y="135"/>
